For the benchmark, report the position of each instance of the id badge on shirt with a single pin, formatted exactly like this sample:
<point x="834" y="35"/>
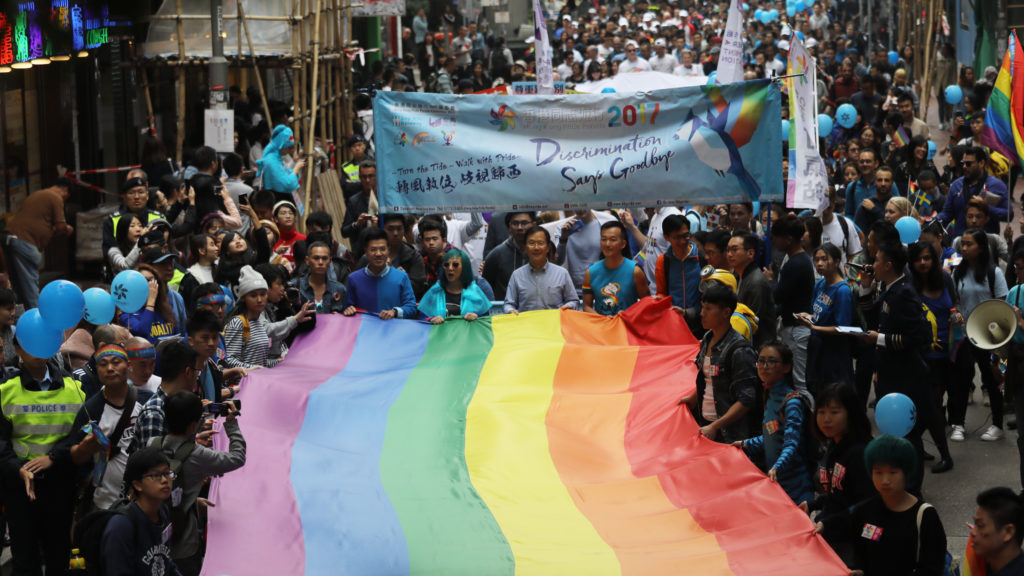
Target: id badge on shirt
<point x="167" y="534"/>
<point x="838" y="473"/>
<point x="771" y="427"/>
<point x="871" y="532"/>
<point x="176" y="497"/>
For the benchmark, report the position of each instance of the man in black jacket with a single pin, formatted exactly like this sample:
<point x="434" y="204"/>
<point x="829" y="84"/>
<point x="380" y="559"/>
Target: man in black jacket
<point x="754" y="289"/>
<point x="901" y="334"/>
<point x="357" y="208"/>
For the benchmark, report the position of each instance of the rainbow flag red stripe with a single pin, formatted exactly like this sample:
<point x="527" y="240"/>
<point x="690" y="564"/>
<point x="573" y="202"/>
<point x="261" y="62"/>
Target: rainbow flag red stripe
<point x="1004" y="118"/>
<point x="544" y="443"/>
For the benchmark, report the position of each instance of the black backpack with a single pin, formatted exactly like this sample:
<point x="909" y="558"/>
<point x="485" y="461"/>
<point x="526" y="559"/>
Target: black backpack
<point x="89" y="531"/>
<point x="177" y="514"/>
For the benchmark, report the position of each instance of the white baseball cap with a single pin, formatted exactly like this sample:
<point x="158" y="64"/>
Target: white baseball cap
<point x="659" y="42"/>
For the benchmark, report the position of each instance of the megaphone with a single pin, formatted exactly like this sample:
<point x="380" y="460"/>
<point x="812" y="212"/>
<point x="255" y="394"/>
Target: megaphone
<point x="991" y="325"/>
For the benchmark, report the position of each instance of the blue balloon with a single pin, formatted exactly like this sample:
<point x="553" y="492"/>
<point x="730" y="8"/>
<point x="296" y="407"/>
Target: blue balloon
<point x="36" y="336"/>
<point x="801" y="6"/>
<point x="61" y="304"/>
<point x="953" y="94"/>
<point x="746" y="7"/>
<point x="791" y="11"/>
<point x="608" y="90"/>
<point x="785" y="130"/>
<point x="846" y="115"/>
<point x="774" y="14"/>
<point x="130" y="291"/>
<point x="894" y="57"/>
<point x="895" y="414"/>
<point x="909" y="229"/>
<point x="931" y="149"/>
<point x="758" y="14"/>
<point x="99" y="306"/>
<point x="824" y="125"/>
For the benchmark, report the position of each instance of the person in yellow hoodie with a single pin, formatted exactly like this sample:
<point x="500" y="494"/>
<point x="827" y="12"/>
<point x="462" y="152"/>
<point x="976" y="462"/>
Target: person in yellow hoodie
<point x="743" y="318"/>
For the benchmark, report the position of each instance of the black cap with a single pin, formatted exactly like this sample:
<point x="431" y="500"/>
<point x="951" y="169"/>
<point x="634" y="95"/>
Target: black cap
<point x="134" y="183"/>
<point x="157" y="254"/>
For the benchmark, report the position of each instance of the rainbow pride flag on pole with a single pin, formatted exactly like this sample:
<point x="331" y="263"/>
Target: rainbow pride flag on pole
<point x="1004" y="119"/>
<point x="544" y="443"/>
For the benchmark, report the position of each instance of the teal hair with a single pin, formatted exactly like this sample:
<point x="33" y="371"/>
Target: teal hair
<point x="891" y="450"/>
<point x="467" y="267"/>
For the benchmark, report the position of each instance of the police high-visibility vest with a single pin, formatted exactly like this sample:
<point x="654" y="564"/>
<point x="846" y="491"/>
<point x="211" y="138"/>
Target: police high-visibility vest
<point x="351" y="171"/>
<point x="150" y="216"/>
<point x="176" y="279"/>
<point x="39" y="419"/>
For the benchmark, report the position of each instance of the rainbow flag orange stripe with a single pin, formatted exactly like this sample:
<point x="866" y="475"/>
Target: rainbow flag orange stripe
<point x="544" y="443"/>
<point x="900" y="137"/>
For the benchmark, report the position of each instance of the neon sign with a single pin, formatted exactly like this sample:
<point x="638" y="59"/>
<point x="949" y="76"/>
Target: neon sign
<point x="21" y="34"/>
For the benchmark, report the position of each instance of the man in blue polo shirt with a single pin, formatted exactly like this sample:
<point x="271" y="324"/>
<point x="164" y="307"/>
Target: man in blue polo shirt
<point x="378" y="288"/>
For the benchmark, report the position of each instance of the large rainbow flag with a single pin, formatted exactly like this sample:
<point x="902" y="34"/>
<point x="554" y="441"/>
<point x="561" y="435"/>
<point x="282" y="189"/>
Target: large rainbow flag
<point x="544" y="443"/>
<point x="1004" y="118"/>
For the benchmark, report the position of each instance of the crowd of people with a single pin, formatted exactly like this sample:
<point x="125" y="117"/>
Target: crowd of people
<point x="803" y="317"/>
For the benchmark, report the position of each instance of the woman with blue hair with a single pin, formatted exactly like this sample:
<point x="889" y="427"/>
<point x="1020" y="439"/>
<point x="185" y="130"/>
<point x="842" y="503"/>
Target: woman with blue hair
<point x="456" y="292"/>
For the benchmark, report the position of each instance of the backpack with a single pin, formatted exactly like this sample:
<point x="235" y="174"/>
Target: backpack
<point x="809" y="444"/>
<point x="176" y="511"/>
<point x="846" y="232"/>
<point x="88" y="537"/>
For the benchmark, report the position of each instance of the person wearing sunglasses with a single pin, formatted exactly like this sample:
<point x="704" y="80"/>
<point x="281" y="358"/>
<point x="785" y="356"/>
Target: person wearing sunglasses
<point x="976" y="181"/>
<point x="456" y="293"/>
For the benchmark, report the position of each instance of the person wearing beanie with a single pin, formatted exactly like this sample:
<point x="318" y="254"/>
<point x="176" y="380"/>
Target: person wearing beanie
<point x="245" y="336"/>
<point x="284" y="216"/>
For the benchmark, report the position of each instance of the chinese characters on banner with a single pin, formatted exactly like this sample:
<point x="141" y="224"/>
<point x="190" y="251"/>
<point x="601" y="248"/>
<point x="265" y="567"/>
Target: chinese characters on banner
<point x="693" y="145"/>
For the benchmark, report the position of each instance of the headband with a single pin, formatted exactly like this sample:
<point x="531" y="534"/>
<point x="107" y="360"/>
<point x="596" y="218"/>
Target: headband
<point x="217" y="298"/>
<point x="148" y="352"/>
<point x="110" y="350"/>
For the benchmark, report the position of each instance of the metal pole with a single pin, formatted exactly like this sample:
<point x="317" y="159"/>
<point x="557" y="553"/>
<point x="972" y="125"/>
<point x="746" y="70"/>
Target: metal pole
<point x="218" y="64"/>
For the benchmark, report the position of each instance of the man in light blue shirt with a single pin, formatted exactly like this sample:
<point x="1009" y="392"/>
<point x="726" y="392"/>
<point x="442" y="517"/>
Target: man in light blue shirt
<point x="540" y="285"/>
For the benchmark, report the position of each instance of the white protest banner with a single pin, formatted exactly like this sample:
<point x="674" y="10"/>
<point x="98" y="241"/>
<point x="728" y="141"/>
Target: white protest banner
<point x="730" y="61"/>
<point x="545" y="71"/>
<point x="808" y="178"/>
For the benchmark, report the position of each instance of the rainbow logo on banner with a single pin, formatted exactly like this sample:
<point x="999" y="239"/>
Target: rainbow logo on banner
<point x="544" y="443"/>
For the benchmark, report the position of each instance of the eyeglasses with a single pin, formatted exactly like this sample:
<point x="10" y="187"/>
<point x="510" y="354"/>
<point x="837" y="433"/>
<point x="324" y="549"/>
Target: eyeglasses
<point x="520" y="223"/>
<point x="763" y="362"/>
<point x="160" y="475"/>
<point x="969" y="163"/>
<point x="536" y="244"/>
<point x="452" y="265"/>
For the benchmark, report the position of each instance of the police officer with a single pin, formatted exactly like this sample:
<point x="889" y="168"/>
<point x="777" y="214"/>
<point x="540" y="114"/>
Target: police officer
<point x="39" y="405"/>
<point x="900" y="336"/>
<point x="356" y="154"/>
<point x="136" y="196"/>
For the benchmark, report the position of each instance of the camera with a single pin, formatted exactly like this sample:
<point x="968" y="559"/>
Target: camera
<point x="221" y="409"/>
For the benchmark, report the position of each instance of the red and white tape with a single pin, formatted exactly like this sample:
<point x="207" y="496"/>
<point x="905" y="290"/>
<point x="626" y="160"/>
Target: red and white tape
<point x="104" y="170"/>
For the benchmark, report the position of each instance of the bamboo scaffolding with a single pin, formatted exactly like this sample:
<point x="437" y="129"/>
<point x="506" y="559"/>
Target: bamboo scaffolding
<point x="149" y="101"/>
<point x="310" y="163"/>
<point x="933" y="20"/>
<point x="255" y="67"/>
